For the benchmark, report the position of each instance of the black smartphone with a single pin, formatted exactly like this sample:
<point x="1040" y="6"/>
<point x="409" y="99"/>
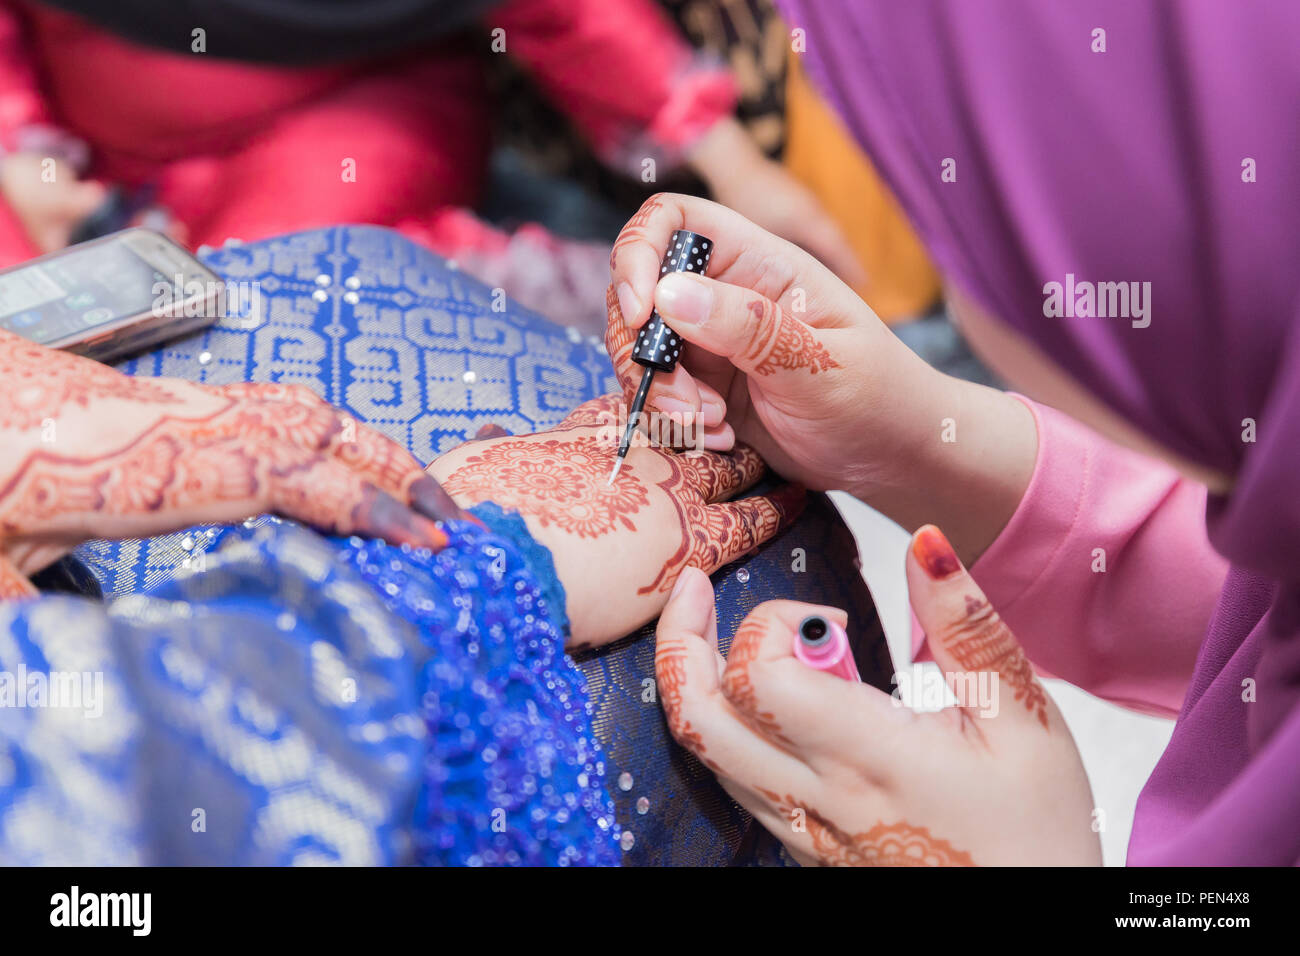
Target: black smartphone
<point x="112" y="296"/>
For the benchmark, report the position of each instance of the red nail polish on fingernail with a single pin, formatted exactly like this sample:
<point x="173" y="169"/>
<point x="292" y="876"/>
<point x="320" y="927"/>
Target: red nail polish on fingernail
<point x="935" y="553"/>
<point x="435" y="539"/>
<point x="790" y="500"/>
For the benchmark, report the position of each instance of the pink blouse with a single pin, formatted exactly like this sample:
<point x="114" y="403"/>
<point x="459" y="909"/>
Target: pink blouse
<point x="1104" y="572"/>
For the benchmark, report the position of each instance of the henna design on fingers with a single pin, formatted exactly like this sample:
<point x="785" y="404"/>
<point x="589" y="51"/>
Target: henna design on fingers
<point x="791" y="346"/>
<point x="561" y="482"/>
<point x="896" y="844"/>
<point x="635" y="228"/>
<point x="267" y="448"/>
<point x="13" y="585"/>
<point x="602" y="410"/>
<point x="716" y="533"/>
<point x="983" y="642"/>
<point x="619" y="343"/>
<point x="220" y="479"/>
<point x="307" y="421"/>
<point x="739" y="689"/>
<point x="718" y="476"/>
<point x="670" y="671"/>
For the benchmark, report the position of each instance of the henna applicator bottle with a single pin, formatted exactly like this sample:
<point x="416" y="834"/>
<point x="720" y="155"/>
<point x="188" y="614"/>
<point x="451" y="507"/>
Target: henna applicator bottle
<point x="657" y="346"/>
<point x="823" y="645"/>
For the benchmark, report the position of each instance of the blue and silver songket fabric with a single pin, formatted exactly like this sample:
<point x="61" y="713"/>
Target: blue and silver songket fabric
<point x="262" y="694"/>
<point x="309" y="700"/>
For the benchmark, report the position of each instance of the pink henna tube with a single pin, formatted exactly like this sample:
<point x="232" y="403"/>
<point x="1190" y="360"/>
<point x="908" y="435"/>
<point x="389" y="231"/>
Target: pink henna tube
<point x="823" y="645"/>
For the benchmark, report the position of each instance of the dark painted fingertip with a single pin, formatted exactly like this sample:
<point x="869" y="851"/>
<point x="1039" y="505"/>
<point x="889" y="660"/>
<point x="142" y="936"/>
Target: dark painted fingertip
<point x="429" y="499"/>
<point x="491" y="430"/>
<point x="934" y="553"/>
<point x="790" y="500"/>
<point x="394" y="522"/>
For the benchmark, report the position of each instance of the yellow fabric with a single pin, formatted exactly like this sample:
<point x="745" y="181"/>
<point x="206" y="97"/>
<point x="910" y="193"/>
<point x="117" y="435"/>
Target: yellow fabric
<point x="901" y="281"/>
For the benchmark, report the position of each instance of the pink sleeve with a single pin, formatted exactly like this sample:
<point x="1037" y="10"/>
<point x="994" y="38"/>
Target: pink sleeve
<point x="1105" y="572"/>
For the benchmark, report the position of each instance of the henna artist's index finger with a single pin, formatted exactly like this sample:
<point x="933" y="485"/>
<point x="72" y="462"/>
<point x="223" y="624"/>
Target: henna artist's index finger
<point x="634" y="259"/>
<point x="619" y="342"/>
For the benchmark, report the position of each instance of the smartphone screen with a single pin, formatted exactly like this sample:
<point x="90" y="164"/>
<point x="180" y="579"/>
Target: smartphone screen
<point x="77" y="290"/>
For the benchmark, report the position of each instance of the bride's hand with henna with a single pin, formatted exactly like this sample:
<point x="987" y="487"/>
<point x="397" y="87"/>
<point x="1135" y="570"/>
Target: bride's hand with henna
<point x="92" y="453"/>
<point x="842" y="773"/>
<point x="619" y="548"/>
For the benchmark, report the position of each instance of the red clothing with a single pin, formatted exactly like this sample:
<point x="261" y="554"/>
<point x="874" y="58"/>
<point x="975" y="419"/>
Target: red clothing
<point x="250" y="151"/>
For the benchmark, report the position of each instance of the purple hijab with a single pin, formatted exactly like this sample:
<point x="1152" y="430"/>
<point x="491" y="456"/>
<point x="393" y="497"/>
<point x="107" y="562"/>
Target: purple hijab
<point x="1171" y="158"/>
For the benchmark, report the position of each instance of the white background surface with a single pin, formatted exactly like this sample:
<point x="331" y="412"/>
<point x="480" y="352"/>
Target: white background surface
<point x="1118" y="747"/>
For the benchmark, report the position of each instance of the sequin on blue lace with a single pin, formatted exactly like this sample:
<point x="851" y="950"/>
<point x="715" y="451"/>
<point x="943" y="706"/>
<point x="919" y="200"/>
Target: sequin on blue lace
<point x="513" y="773"/>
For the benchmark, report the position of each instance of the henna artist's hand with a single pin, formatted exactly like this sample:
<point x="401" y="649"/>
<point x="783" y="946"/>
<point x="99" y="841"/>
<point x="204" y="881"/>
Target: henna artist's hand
<point x="788" y="359"/>
<point x="800" y="367"/>
<point x="619" y="548"/>
<point x="843" y="774"/>
<point x="92" y="453"/>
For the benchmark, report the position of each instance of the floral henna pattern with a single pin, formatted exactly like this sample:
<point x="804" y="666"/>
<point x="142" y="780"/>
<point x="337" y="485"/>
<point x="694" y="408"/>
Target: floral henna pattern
<point x="559" y="481"/>
<point x="211" y="473"/>
<point x="987" y="644"/>
<point x="739" y="689"/>
<point x="634" y="231"/>
<point x="296" y="414"/>
<point x="791" y="345"/>
<point x="40" y="382"/>
<point x="670" y="671"/>
<point x="897" y="844"/>
<point x="717" y="534"/>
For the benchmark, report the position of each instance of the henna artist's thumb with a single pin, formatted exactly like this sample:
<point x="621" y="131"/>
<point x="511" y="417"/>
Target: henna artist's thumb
<point x="684" y="298"/>
<point x="727" y="320"/>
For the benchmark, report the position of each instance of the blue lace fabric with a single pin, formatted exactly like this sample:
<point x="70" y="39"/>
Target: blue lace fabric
<point x="309" y="700"/>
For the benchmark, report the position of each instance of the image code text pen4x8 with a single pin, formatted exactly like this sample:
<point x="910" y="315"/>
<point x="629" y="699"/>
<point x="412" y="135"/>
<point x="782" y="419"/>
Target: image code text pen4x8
<point x="657" y="346"/>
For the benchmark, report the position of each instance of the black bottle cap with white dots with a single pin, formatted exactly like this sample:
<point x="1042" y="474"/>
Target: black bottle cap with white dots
<point x="658" y="346"/>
